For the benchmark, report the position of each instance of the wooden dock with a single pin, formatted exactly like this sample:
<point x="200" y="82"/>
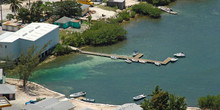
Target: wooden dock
<point x="136" y="58"/>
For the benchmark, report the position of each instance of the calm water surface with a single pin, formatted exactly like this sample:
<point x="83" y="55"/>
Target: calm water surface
<point x="195" y="31"/>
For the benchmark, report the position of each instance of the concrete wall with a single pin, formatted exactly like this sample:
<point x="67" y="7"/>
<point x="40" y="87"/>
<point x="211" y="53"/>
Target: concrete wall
<point x="120" y="5"/>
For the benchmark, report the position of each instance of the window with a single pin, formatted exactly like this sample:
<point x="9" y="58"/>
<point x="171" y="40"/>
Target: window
<point x="5" y="46"/>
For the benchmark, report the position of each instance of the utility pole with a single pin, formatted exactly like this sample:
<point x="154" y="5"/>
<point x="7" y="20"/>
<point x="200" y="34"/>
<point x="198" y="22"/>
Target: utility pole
<point x="1" y="14"/>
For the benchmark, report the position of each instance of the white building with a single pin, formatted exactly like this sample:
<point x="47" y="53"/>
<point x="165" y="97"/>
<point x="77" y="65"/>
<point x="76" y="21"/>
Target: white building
<point x="12" y="44"/>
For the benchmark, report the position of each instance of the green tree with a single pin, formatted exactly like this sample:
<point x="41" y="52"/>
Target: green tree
<point x="10" y="16"/>
<point x="28" y="62"/>
<point x="36" y="11"/>
<point x="176" y="103"/>
<point x="24" y="15"/>
<point x="15" y="5"/>
<point x="67" y="8"/>
<point x="162" y="100"/>
<point x="209" y="102"/>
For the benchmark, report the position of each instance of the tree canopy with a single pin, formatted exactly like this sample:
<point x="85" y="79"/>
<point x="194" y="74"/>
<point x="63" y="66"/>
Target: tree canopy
<point x="67" y="8"/>
<point x="162" y="100"/>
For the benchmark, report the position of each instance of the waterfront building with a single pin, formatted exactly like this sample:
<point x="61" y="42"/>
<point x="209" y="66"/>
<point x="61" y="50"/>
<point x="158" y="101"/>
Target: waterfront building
<point x="8" y="91"/>
<point x="119" y="3"/>
<point x="12" y="44"/>
<point x="50" y="104"/>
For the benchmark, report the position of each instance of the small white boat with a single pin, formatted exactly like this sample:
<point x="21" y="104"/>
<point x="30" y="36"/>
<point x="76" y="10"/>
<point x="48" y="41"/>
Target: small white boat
<point x="173" y="59"/>
<point x="157" y="63"/>
<point x="181" y="54"/>
<point x="139" y="97"/>
<point x="134" y="60"/>
<point x="134" y="54"/>
<point x="142" y="61"/>
<point x="128" y="61"/>
<point x="78" y="94"/>
<point x="88" y="100"/>
<point x="113" y="57"/>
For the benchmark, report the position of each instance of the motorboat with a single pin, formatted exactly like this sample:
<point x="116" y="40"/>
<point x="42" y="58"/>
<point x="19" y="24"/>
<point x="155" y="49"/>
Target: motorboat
<point x="134" y="60"/>
<point x="128" y="61"/>
<point x="113" y="57"/>
<point x="173" y="59"/>
<point x="142" y="61"/>
<point x="181" y="54"/>
<point x="88" y="100"/>
<point x="139" y="97"/>
<point x="157" y="63"/>
<point x="135" y="53"/>
<point x="78" y="94"/>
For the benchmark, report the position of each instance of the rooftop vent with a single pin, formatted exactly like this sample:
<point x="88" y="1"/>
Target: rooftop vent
<point x="31" y="31"/>
<point x="24" y="34"/>
<point x="37" y="27"/>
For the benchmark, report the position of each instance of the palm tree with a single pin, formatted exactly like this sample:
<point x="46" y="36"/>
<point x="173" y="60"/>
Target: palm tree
<point x="15" y="5"/>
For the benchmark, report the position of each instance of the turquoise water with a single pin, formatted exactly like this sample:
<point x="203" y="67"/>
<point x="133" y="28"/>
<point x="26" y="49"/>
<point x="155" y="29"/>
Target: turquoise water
<point x="195" y="31"/>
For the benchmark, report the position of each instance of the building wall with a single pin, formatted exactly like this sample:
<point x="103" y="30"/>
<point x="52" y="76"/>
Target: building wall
<point x="120" y="5"/>
<point x="15" y="48"/>
<point x="5" y="50"/>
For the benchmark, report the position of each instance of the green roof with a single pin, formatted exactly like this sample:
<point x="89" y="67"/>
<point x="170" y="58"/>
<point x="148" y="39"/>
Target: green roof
<point x="63" y="20"/>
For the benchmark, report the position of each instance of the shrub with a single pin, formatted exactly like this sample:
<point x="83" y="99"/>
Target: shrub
<point x="102" y="33"/>
<point x="61" y="50"/>
<point x="10" y="16"/>
<point x="147" y="9"/>
<point x="209" y="102"/>
<point x="133" y="13"/>
<point x="160" y="2"/>
<point x="124" y="15"/>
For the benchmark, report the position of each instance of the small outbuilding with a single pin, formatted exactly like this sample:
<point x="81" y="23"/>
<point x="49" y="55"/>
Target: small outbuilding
<point x="66" y="22"/>
<point x="8" y="91"/>
<point x="63" y="22"/>
<point x="119" y="3"/>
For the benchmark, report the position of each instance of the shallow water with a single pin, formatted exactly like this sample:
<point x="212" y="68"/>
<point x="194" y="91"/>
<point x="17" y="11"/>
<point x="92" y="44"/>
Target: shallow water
<point x="195" y="31"/>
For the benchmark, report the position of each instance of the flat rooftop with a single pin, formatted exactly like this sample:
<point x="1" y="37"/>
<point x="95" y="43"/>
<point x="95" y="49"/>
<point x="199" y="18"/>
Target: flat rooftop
<point x="31" y="32"/>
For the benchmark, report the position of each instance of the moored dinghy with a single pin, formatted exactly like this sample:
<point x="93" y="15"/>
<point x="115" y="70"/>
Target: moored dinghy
<point x="139" y="97"/>
<point x="88" y="100"/>
<point x="173" y="59"/>
<point x="157" y="63"/>
<point x="128" y="61"/>
<point x="181" y="54"/>
<point x="78" y="94"/>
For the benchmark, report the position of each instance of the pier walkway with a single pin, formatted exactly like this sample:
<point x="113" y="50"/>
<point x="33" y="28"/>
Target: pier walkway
<point x="127" y="57"/>
<point x="135" y="58"/>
